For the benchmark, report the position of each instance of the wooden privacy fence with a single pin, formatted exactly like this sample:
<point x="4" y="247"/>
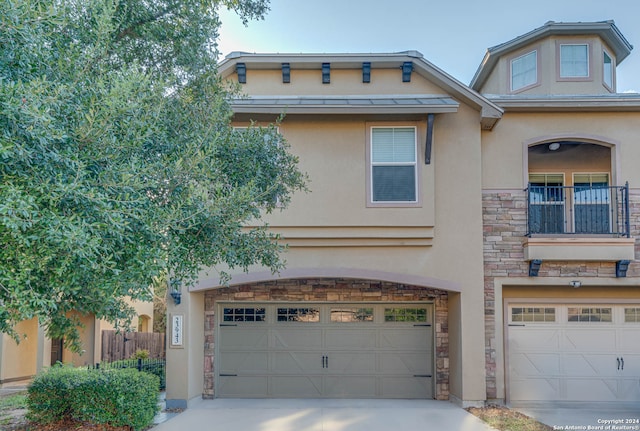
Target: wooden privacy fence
<point x="122" y="345"/>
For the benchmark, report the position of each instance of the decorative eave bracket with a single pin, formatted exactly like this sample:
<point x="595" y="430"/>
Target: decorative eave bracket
<point x="429" y="142"/>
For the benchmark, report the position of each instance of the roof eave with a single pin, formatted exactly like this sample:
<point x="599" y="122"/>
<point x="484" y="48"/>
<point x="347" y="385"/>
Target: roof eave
<point x="308" y="61"/>
<point x="340" y="109"/>
<point x="570" y="104"/>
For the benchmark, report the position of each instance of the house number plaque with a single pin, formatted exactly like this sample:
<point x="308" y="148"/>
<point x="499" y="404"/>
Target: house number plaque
<point x="176" y="330"/>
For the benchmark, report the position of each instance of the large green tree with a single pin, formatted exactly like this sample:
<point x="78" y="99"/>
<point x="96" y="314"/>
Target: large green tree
<point x="117" y="159"/>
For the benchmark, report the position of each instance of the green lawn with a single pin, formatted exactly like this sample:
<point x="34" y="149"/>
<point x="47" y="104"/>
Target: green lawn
<point x="10" y="404"/>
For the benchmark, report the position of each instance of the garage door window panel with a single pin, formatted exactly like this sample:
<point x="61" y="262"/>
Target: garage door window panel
<point x="309" y="315"/>
<point x="243" y="314"/>
<point x="405" y="315"/>
<point x="589" y="314"/>
<point x="632" y="315"/>
<point x="533" y="314"/>
<point x="351" y="315"/>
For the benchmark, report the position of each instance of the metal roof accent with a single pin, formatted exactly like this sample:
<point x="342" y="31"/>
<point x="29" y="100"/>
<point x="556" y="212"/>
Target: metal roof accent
<point x="489" y="112"/>
<point x="606" y="30"/>
<point x="620" y="102"/>
<point x="361" y="104"/>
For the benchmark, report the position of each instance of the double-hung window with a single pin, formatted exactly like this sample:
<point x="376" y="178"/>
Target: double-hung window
<point x="393" y="168"/>
<point x="574" y="61"/>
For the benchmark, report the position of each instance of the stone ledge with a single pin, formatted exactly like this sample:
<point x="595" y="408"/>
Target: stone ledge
<point x="579" y="248"/>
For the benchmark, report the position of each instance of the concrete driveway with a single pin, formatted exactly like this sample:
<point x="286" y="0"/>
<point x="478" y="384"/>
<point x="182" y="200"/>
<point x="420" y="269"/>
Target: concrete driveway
<point x="323" y="415"/>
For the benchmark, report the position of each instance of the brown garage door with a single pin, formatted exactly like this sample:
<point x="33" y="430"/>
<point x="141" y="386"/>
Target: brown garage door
<point x="325" y="351"/>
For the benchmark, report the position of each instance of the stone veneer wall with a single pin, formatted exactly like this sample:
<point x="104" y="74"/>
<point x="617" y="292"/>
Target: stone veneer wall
<point x="504" y="229"/>
<point x="330" y="290"/>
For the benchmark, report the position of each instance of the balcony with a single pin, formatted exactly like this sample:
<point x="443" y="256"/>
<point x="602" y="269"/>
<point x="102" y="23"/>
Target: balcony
<point x="578" y="210"/>
<point x="585" y="222"/>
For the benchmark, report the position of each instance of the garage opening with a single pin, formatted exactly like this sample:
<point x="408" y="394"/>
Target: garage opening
<point x="573" y="352"/>
<point x="320" y="350"/>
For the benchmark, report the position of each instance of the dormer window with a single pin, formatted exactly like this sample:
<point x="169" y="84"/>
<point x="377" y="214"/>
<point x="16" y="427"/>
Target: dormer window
<point x="607" y="71"/>
<point x="574" y="61"/>
<point x="524" y="71"/>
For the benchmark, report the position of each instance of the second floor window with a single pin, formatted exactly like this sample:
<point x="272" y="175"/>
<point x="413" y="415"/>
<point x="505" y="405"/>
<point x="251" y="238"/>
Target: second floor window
<point x="574" y="61"/>
<point x="524" y="71"/>
<point x="393" y="164"/>
<point x="607" y="71"/>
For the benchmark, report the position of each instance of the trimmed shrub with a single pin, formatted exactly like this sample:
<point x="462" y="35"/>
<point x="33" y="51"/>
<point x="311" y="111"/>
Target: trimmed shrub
<point x="153" y="366"/>
<point x="115" y="397"/>
<point x="48" y="394"/>
<point x="140" y="354"/>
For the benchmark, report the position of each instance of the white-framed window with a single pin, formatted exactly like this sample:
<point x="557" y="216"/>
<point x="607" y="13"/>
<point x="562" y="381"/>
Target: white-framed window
<point x="607" y="70"/>
<point x="574" y="60"/>
<point x="393" y="167"/>
<point x="524" y="71"/>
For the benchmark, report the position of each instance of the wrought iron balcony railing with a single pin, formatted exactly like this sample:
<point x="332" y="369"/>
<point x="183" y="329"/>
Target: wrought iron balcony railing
<point x="586" y="210"/>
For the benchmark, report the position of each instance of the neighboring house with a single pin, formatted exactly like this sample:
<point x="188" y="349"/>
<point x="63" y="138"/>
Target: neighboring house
<point x="458" y="242"/>
<point x="561" y="205"/>
<point x="35" y="351"/>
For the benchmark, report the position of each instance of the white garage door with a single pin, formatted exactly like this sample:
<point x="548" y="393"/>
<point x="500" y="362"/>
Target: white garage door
<point x="561" y="352"/>
<point x="325" y="351"/>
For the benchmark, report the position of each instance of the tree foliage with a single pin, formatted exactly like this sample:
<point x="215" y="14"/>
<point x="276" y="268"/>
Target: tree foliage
<point x="117" y="159"/>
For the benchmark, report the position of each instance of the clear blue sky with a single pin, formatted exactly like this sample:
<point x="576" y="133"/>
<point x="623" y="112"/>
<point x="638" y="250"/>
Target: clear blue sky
<point x="452" y="34"/>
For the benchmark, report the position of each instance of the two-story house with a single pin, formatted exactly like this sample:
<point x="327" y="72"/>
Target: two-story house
<point x="438" y="251"/>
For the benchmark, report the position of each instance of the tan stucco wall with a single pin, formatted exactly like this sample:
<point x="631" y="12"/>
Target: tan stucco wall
<point x="332" y="151"/>
<point x="91" y="335"/>
<point x="185" y="363"/>
<point x="87" y="337"/>
<point x="453" y="209"/>
<point x="19" y="360"/>
<point x="507" y="144"/>
<point x="343" y="82"/>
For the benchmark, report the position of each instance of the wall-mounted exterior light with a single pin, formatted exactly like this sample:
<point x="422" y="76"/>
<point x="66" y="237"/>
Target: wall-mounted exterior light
<point x="175" y="290"/>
